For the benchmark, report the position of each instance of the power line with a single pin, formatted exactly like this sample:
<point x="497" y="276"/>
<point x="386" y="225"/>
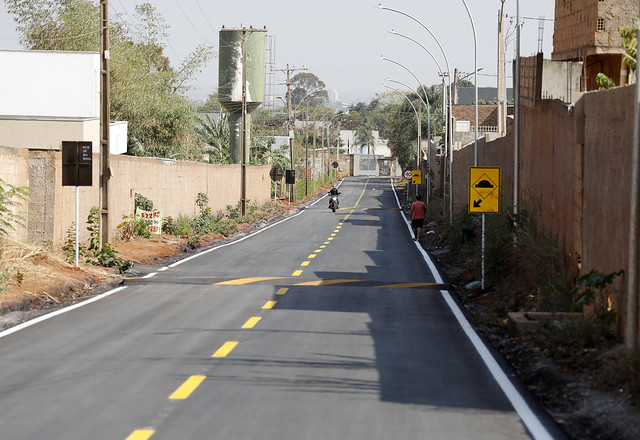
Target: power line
<point x="205" y="16"/>
<point x="191" y="23"/>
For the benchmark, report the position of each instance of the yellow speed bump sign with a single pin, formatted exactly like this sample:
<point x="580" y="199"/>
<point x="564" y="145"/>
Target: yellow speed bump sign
<point x="416" y="177"/>
<point x="484" y="190"/>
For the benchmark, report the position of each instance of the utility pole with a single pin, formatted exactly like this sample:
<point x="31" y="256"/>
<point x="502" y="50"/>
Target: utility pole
<point x="632" y="330"/>
<point x="105" y="106"/>
<point x="456" y="77"/>
<point x="306" y="152"/>
<point x="502" y="88"/>
<point x="243" y="166"/>
<point x="290" y="123"/>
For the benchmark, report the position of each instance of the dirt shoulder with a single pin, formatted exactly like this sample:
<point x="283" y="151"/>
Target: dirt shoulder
<point x="572" y="390"/>
<point x="36" y="281"/>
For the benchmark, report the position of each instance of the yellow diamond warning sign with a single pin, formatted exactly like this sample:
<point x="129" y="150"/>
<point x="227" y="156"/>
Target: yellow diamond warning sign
<point x="484" y="190"/>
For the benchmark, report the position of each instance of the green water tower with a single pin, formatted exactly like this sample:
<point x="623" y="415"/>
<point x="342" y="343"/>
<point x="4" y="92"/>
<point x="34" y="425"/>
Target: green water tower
<point x="241" y="61"/>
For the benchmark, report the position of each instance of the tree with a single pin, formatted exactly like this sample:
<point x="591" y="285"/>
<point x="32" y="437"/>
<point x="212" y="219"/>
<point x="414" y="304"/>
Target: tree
<point x="364" y="136"/>
<point x="404" y="134"/>
<point x="352" y="121"/>
<point x="211" y="105"/>
<point x="215" y="133"/>
<point x="307" y="87"/>
<point x="630" y="45"/>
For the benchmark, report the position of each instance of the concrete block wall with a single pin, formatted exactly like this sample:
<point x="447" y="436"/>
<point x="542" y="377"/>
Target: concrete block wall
<point x="172" y="186"/>
<point x="575" y="172"/>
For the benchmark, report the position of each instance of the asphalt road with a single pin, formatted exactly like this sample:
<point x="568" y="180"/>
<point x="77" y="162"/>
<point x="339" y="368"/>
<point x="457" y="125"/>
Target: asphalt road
<point x="325" y="326"/>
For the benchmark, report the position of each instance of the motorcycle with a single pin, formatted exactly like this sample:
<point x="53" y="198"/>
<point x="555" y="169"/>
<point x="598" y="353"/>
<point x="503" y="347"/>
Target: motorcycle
<point x="333" y="202"/>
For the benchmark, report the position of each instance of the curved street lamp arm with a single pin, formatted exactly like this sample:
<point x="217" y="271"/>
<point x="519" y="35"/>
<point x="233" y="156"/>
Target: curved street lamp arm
<point x="422" y="46"/>
<point x="412" y="74"/>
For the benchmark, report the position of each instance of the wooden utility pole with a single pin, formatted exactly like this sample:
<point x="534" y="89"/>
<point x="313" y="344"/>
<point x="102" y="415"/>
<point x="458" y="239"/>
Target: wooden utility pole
<point x="290" y="122"/>
<point x="243" y="166"/>
<point x="306" y="152"/>
<point x="502" y="87"/>
<point x="105" y="106"/>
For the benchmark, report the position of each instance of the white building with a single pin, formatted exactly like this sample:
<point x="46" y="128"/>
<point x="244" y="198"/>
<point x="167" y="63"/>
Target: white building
<point x="53" y="96"/>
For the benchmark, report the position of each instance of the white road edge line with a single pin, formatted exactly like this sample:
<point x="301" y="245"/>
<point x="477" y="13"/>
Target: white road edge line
<point x="529" y="419"/>
<point x="39" y="319"/>
<point x="177" y="263"/>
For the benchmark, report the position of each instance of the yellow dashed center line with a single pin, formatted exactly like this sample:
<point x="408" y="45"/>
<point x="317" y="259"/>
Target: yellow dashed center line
<point x="141" y="434"/>
<point x="269" y="305"/>
<point x="187" y="388"/>
<point x="325" y="282"/>
<point x="325" y="243"/>
<point x="251" y="322"/>
<point x="225" y="349"/>
<point x="330" y="238"/>
<point x="363" y="190"/>
<point x="297" y="273"/>
<point x="282" y="291"/>
<point x="242" y="281"/>
<point x="317" y="251"/>
<point x="312" y="256"/>
<point x="305" y="263"/>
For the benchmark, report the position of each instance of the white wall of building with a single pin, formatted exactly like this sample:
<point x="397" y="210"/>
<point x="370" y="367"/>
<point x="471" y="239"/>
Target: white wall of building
<point x="379" y="148"/>
<point x="47" y="97"/>
<point x="51" y="84"/>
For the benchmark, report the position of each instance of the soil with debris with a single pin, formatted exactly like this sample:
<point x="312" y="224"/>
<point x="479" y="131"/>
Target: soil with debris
<point x="571" y="390"/>
<point x="583" y="407"/>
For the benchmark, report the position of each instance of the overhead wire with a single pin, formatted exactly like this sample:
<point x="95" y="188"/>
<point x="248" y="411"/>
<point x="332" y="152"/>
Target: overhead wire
<point x="191" y="23"/>
<point x="205" y="16"/>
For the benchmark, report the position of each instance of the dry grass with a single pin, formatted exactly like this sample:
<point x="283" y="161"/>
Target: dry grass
<point x="32" y="276"/>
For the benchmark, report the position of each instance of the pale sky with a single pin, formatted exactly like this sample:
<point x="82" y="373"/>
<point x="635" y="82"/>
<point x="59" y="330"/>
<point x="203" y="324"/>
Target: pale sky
<point x="341" y="41"/>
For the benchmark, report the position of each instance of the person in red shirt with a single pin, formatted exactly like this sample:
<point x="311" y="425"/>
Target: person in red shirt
<point x="418" y="209"/>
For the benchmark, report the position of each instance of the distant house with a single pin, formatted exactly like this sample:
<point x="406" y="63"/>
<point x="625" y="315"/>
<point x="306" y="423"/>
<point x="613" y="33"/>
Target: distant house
<point x="464" y="123"/>
<point x="587" y="31"/>
<point x="467" y="95"/>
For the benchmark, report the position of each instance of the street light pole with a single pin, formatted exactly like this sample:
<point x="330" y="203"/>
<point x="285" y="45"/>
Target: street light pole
<point x="417" y="117"/>
<point x="426" y="103"/>
<point x="475" y="80"/>
<point x="449" y="98"/>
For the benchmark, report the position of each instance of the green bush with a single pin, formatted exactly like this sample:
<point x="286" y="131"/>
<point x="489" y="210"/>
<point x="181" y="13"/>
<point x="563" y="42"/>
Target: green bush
<point x="143" y="203"/>
<point x="11" y="195"/>
<point x="93" y="254"/>
<point x="107" y="257"/>
<point x="132" y="226"/>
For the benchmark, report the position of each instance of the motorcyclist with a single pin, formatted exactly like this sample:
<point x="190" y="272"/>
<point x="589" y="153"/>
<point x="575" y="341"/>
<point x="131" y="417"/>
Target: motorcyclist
<point x="334" y="192"/>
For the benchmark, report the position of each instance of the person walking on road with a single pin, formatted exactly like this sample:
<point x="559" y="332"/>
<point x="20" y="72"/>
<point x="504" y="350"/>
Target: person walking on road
<point x="418" y="209"/>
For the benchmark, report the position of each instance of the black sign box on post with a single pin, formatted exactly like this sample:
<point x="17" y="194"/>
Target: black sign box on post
<point x="76" y="163"/>
<point x="290" y="177"/>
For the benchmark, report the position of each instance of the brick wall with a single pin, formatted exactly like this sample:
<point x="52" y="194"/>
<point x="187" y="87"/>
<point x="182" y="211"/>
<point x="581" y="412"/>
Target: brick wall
<point x="574" y="174"/>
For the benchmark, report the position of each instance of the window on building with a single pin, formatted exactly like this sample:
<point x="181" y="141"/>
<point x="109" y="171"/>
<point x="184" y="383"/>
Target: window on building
<point x="601" y="24"/>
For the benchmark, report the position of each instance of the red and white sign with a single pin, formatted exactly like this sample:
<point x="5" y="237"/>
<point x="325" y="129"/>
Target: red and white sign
<point x="408" y="174"/>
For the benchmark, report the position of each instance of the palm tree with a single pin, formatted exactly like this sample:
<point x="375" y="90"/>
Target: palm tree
<point x="364" y="136"/>
<point x="216" y="135"/>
